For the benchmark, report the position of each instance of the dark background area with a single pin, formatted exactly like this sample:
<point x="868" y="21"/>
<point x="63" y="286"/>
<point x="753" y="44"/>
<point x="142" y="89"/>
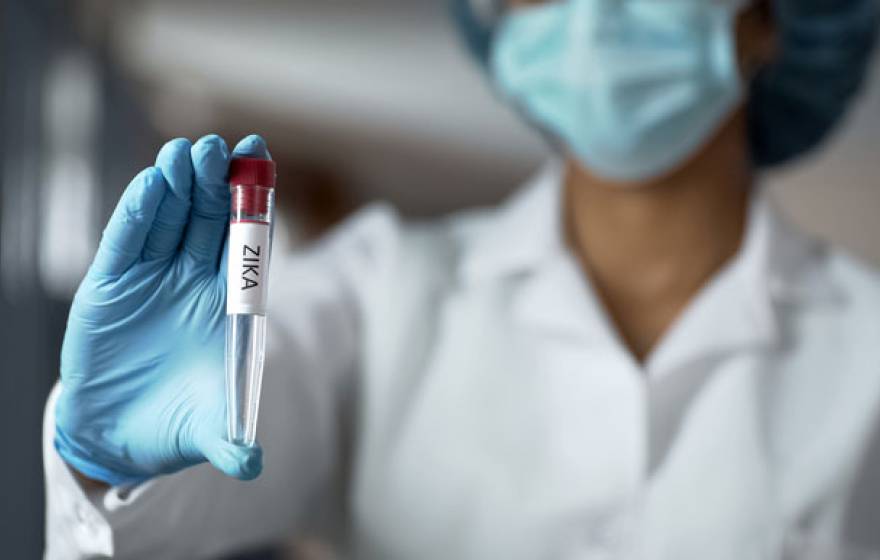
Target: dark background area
<point x="31" y="34"/>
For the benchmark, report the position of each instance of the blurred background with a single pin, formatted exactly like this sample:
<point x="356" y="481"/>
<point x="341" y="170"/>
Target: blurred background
<point x="356" y="102"/>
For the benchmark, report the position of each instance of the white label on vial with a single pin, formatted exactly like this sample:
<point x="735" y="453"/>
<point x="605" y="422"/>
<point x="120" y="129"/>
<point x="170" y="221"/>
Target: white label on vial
<point x="247" y="280"/>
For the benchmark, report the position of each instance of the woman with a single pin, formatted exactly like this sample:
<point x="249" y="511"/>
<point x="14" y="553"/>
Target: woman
<point x="633" y="358"/>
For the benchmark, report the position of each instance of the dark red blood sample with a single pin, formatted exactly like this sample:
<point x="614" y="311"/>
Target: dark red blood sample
<point x="250" y="200"/>
<point x="252" y="171"/>
<point x="251" y="180"/>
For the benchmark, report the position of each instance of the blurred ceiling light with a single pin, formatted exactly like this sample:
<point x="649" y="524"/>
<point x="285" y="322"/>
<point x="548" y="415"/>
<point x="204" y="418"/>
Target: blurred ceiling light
<point x="69" y="197"/>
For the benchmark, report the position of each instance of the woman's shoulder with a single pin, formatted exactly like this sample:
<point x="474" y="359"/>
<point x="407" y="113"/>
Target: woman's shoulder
<point x="815" y="270"/>
<point x="842" y="287"/>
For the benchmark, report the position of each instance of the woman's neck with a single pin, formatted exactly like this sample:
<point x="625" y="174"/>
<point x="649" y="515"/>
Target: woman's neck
<point x="649" y="249"/>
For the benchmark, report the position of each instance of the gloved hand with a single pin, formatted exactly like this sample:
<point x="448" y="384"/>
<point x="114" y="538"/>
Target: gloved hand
<point x="142" y="375"/>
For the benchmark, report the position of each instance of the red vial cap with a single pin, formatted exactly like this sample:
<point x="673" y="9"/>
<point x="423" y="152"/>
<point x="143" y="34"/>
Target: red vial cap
<point x="252" y="171"/>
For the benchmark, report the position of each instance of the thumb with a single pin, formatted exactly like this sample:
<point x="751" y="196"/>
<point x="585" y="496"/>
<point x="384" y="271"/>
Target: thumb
<point x="236" y="461"/>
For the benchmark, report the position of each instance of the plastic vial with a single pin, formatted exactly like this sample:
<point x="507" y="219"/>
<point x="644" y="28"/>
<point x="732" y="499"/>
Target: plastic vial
<point x="252" y="184"/>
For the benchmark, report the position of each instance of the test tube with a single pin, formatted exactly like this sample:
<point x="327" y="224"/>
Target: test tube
<point x="252" y="185"/>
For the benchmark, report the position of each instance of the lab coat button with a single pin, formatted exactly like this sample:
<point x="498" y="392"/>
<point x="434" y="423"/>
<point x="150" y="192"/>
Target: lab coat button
<point x="612" y="533"/>
<point x="84" y="516"/>
<point x="81" y="513"/>
<point x="608" y="530"/>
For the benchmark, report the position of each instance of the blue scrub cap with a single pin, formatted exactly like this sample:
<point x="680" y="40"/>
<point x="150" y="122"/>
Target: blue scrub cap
<point x="794" y="103"/>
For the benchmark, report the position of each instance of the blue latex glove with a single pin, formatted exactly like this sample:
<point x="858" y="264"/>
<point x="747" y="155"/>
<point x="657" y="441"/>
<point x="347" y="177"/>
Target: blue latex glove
<point x="142" y="376"/>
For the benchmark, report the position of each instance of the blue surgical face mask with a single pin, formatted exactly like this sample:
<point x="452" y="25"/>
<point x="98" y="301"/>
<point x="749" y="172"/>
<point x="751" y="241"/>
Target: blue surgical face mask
<point x="632" y="88"/>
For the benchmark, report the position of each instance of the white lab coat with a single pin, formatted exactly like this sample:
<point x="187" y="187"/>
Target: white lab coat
<point x="455" y="390"/>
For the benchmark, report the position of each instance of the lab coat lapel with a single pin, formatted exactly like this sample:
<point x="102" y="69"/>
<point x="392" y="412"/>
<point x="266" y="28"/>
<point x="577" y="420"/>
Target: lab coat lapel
<point x="738" y="310"/>
<point x="524" y="244"/>
<point x="715" y="443"/>
<point x="558" y="300"/>
<point x="560" y="368"/>
<point x="714" y="491"/>
<point x="734" y="311"/>
<point x="707" y="381"/>
<point x="531" y="439"/>
<point x="557" y="297"/>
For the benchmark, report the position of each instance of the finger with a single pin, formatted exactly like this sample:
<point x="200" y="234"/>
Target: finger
<point x="167" y="231"/>
<point x="210" y="200"/>
<point x="126" y="232"/>
<point x="252" y="146"/>
<point x="243" y="463"/>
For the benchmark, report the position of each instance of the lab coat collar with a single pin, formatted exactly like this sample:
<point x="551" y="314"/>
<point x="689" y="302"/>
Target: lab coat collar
<point x="776" y="266"/>
<point x="523" y="233"/>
